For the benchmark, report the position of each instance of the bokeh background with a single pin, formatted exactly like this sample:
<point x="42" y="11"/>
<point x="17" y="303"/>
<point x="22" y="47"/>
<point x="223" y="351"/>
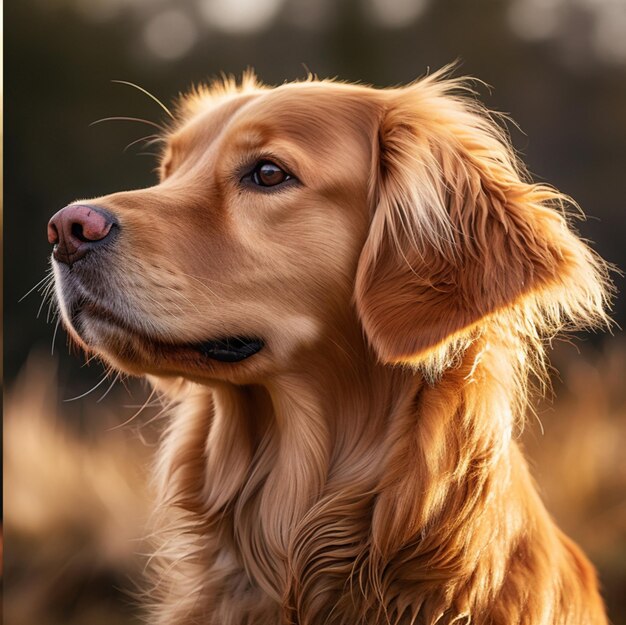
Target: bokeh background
<point x="75" y="497"/>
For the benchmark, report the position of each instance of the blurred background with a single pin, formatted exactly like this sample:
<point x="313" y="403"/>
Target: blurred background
<point x="76" y="496"/>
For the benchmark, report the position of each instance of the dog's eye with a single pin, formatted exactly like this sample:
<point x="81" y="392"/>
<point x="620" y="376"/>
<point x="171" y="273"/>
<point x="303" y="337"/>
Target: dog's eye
<point x="268" y="174"/>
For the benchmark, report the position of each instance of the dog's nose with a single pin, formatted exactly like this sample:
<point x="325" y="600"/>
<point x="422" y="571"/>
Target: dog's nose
<point x="77" y="229"/>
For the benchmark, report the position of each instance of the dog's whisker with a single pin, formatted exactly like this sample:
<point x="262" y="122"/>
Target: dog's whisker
<point x="47" y="292"/>
<point x="128" y="119"/>
<point x="49" y="276"/>
<point x="89" y="360"/>
<point x="91" y="390"/>
<point x="115" y="379"/>
<point x="201" y="282"/>
<point x="123" y="381"/>
<point x="145" y="405"/>
<point x="202" y="279"/>
<point x="146" y="92"/>
<point x="162" y="306"/>
<point x="139" y="433"/>
<point x="165" y="410"/>
<point x="153" y="404"/>
<point x="54" y="335"/>
<point x="149" y="139"/>
<point x="52" y="310"/>
<point x="186" y="299"/>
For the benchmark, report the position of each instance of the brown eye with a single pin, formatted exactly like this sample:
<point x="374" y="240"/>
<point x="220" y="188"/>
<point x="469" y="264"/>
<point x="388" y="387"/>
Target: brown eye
<point x="268" y="174"/>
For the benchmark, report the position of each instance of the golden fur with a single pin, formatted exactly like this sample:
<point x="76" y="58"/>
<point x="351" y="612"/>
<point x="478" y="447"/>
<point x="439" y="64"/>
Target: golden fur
<point x="363" y="467"/>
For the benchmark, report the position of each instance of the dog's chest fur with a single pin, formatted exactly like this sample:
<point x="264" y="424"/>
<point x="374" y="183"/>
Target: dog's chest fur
<point x="278" y="526"/>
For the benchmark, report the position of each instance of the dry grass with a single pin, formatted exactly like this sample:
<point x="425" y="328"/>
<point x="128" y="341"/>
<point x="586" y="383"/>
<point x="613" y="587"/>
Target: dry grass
<point x="77" y="505"/>
<point x="75" y="511"/>
<point x="580" y="460"/>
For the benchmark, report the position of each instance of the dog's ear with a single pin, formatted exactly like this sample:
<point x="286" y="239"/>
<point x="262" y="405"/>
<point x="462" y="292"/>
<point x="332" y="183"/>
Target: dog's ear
<point x="457" y="234"/>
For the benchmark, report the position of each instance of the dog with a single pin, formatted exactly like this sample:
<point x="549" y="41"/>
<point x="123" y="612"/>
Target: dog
<point x="343" y="294"/>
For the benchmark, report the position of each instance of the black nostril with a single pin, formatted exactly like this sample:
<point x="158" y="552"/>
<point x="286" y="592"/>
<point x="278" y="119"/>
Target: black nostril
<point x="77" y="231"/>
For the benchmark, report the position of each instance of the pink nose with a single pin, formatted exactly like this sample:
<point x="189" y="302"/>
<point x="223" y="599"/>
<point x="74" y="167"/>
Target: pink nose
<point x="77" y="229"/>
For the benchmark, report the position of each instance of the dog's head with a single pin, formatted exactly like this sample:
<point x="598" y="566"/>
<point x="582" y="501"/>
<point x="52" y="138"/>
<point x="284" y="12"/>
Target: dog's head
<point x="283" y="215"/>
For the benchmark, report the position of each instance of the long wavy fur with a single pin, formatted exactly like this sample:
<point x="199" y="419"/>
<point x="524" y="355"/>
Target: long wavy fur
<point x="386" y="486"/>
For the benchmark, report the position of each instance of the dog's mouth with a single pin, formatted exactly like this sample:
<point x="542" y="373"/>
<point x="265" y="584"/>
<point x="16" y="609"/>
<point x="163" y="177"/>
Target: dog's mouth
<point x="230" y="349"/>
<point x="227" y="349"/>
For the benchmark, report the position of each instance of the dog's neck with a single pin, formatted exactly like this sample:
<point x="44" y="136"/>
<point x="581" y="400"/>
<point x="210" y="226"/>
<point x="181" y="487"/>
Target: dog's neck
<point x="349" y="465"/>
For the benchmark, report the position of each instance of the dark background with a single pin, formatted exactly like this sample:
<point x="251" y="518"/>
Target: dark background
<point x="557" y="67"/>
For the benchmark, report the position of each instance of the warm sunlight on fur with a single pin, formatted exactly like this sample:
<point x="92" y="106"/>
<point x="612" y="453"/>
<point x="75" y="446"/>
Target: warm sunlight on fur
<point x="344" y="293"/>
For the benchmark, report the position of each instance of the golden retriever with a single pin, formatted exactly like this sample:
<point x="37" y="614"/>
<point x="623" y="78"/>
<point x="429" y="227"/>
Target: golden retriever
<point x="343" y="292"/>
